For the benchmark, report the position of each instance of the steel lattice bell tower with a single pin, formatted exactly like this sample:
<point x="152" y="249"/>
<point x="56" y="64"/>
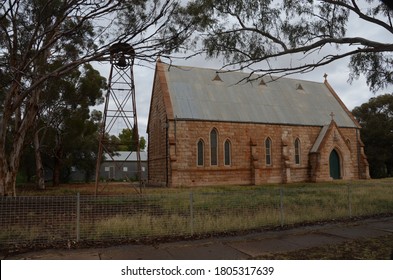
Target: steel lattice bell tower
<point x="119" y="110"/>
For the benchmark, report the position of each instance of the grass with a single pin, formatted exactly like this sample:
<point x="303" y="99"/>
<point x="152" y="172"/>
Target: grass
<point x="119" y="212"/>
<point x="138" y="226"/>
<point x="120" y="188"/>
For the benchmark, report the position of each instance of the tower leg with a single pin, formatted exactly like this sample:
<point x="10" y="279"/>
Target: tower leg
<point x="119" y="114"/>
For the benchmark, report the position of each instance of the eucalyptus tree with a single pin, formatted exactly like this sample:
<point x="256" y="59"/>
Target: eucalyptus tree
<point x="64" y="34"/>
<point x="294" y="36"/>
<point x="389" y="3"/>
<point x="376" y="119"/>
<point x="65" y="125"/>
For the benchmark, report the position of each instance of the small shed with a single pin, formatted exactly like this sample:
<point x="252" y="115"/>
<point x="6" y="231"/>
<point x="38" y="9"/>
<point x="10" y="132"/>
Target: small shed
<point x="123" y="166"/>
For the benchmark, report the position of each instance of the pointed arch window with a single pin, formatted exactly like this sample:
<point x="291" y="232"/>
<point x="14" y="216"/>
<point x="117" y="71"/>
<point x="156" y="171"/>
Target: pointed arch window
<point x="297" y="151"/>
<point x="213" y="147"/>
<point x="227" y="152"/>
<point x="200" y="152"/>
<point x="268" y="151"/>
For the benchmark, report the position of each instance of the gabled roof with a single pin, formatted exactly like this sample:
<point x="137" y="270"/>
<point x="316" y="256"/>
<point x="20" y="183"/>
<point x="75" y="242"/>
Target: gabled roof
<point x="205" y="94"/>
<point x="125" y="156"/>
<point x="323" y="136"/>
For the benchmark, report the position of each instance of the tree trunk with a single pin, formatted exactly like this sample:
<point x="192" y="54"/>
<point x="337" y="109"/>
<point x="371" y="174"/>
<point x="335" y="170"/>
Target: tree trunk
<point x="10" y="160"/>
<point x="38" y="163"/>
<point x="11" y="181"/>
<point x="8" y="174"/>
<point x="56" y="173"/>
<point x="4" y="118"/>
<point x="3" y="167"/>
<point x="57" y="166"/>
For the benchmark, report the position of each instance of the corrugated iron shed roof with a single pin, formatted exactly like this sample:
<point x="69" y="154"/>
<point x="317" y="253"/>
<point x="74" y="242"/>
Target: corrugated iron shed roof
<point x="125" y="156"/>
<point x="197" y="93"/>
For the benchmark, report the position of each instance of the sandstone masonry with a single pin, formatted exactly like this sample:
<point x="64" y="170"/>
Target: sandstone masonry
<point x="173" y="149"/>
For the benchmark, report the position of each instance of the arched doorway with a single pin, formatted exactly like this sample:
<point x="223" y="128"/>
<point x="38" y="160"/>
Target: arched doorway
<point x="334" y="165"/>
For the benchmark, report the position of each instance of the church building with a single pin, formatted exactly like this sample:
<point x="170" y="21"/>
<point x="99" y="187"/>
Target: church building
<point x="208" y="127"/>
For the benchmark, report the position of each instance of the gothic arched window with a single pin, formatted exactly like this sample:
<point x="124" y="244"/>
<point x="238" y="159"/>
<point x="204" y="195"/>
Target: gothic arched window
<point x="200" y="152"/>
<point x="268" y="151"/>
<point x="213" y="147"/>
<point x="227" y="152"/>
<point x="297" y="151"/>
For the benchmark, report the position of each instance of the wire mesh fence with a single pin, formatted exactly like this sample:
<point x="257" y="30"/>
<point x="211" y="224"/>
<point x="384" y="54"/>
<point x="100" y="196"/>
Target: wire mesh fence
<point x="46" y="220"/>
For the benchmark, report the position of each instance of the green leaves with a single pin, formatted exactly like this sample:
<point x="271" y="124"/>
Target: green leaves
<point x="376" y="66"/>
<point x="126" y="141"/>
<point x="376" y="119"/>
<point x="91" y="85"/>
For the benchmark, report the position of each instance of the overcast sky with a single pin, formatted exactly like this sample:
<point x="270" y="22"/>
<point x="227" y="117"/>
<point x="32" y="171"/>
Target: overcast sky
<point x="352" y="95"/>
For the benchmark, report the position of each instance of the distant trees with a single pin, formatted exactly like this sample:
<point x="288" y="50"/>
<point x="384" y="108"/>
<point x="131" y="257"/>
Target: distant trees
<point x="376" y="119"/>
<point x="127" y="140"/>
<point x="43" y="41"/>
<point x="124" y="141"/>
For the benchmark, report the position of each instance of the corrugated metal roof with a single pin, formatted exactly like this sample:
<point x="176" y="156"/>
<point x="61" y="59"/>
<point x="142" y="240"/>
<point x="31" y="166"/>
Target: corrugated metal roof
<point x="197" y="94"/>
<point x="125" y="156"/>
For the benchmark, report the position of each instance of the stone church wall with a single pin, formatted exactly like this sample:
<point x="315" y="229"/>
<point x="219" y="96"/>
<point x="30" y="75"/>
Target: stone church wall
<point x="157" y="141"/>
<point x="248" y="157"/>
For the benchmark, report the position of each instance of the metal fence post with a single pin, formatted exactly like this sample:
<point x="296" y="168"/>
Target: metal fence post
<point x="78" y="212"/>
<point x="281" y="207"/>
<point x="349" y="201"/>
<point x="192" y="213"/>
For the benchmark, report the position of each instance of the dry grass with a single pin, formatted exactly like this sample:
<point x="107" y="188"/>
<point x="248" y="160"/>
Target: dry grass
<point x="215" y="211"/>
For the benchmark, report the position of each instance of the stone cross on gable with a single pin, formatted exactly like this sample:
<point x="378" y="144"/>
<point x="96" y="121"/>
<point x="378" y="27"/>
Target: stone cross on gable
<point x="332" y="115"/>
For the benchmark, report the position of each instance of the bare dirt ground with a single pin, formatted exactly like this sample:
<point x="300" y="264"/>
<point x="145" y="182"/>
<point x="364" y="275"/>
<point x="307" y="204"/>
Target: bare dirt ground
<point x="363" y="249"/>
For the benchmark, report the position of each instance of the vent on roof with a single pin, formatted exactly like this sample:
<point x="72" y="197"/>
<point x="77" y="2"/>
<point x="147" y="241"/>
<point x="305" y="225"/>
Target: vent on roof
<point x="262" y="83"/>
<point x="299" y="87"/>
<point x="217" y="78"/>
